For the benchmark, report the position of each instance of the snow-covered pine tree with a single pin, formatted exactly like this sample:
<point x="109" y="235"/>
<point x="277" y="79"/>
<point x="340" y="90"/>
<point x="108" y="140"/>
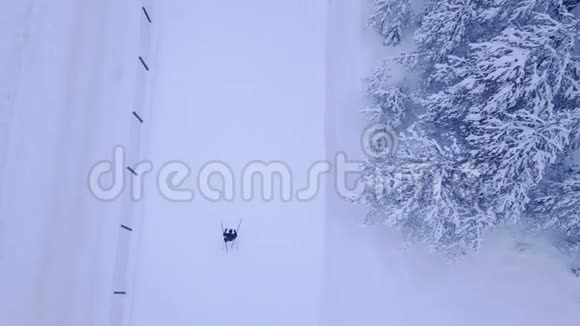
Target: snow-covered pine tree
<point x="427" y="192"/>
<point x="513" y="98"/>
<point x="556" y="201"/>
<point x="388" y="103"/>
<point x="559" y="204"/>
<point x="532" y="60"/>
<point x="514" y="154"/>
<point x="390" y="18"/>
<point x="444" y="29"/>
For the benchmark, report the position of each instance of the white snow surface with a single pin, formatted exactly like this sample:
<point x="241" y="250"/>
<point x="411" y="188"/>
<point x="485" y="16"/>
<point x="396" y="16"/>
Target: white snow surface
<point x="235" y="82"/>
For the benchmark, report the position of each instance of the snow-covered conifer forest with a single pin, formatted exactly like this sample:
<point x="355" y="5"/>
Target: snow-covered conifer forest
<point x="488" y="117"/>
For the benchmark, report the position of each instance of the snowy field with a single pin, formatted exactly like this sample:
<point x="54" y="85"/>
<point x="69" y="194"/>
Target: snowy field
<point x="234" y="82"/>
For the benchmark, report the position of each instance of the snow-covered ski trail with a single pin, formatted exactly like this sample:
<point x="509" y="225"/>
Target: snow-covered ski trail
<point x="225" y="75"/>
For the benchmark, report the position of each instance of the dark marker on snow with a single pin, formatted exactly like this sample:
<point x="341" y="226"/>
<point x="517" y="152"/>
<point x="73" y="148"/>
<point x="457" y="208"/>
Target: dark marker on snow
<point x="137" y="116"/>
<point x="132" y="171"/>
<point x="143" y="63"/>
<point x="146" y="14"/>
<point x="126" y="228"/>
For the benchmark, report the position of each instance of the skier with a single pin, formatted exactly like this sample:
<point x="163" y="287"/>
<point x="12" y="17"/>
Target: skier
<point x="230" y="235"/>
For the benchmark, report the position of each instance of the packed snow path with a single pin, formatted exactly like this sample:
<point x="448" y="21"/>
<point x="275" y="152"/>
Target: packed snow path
<point x="234" y="82"/>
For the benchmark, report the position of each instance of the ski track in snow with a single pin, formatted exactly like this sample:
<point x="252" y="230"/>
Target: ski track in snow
<point x="234" y="82"/>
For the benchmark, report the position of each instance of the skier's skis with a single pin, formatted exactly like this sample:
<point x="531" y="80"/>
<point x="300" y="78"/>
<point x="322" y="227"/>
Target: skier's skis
<point x="225" y="243"/>
<point x="237" y="229"/>
<point x="239" y="224"/>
